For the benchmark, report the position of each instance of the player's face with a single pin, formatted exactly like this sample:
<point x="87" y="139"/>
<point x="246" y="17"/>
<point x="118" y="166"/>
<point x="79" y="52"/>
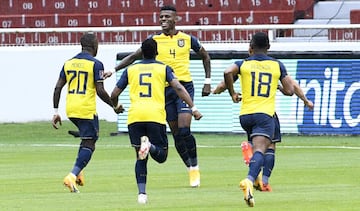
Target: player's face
<point x="167" y="20"/>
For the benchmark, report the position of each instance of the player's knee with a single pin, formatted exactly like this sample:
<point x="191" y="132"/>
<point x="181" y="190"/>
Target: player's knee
<point x="90" y="144"/>
<point x="184" y="132"/>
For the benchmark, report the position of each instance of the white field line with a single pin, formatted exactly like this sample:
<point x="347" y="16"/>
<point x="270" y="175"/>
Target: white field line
<point x="200" y="146"/>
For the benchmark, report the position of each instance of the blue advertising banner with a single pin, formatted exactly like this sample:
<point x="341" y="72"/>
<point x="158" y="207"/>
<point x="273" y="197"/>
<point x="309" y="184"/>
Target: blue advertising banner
<point x="334" y="87"/>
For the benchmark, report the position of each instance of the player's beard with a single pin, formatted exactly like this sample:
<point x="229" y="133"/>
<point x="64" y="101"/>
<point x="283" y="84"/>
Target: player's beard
<point x="167" y="27"/>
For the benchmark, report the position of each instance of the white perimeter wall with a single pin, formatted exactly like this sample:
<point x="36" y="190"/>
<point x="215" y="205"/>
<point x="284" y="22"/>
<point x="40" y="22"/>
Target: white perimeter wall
<point x="29" y="75"/>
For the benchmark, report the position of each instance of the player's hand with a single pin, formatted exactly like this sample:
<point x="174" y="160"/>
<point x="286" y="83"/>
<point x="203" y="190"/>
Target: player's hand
<point x="119" y="108"/>
<point x="309" y="104"/>
<point x="206" y="90"/>
<point x="197" y="115"/>
<point x="236" y="97"/>
<point x="107" y="74"/>
<point x="56" y="119"/>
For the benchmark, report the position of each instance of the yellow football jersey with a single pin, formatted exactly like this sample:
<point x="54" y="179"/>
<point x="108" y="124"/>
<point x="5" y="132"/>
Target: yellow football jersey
<point x="81" y="72"/>
<point x="175" y="52"/>
<point x="259" y="76"/>
<point x="147" y="80"/>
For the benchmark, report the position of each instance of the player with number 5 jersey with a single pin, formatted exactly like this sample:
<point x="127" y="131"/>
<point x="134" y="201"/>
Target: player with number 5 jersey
<point x="147" y="80"/>
<point x="174" y="48"/>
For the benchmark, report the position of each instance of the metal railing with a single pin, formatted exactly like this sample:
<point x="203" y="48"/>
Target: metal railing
<point x="206" y="33"/>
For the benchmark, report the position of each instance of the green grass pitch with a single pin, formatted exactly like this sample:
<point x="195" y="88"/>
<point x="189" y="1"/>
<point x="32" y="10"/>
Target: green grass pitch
<point x="311" y="173"/>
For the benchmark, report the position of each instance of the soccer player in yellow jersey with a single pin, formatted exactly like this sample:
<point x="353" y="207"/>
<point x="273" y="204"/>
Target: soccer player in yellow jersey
<point x="259" y="75"/>
<point x="83" y="75"/>
<point x="262" y="181"/>
<point x="174" y="50"/>
<point x="147" y="117"/>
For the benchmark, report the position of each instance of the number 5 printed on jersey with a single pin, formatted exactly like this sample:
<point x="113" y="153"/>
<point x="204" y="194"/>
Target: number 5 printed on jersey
<point x="142" y="78"/>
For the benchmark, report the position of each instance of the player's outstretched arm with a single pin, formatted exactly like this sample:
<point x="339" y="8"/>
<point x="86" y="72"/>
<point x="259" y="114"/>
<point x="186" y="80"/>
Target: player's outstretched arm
<point x="220" y="88"/>
<point x="125" y="62"/>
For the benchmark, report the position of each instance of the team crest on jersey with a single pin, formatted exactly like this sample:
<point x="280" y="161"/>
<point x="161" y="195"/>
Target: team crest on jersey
<point x="181" y="43"/>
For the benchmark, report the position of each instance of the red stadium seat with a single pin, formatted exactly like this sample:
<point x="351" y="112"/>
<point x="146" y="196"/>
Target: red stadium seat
<point x="22" y="39"/>
<point x="237" y="18"/>
<point x="39" y="21"/>
<point x="344" y="34"/>
<point x="123" y="37"/>
<point x="139" y="19"/>
<point x="304" y="8"/>
<point x="72" y="20"/>
<point x="17" y="7"/>
<point x="12" y="21"/>
<point x="130" y="6"/>
<point x="145" y="19"/>
<point x="304" y="4"/>
<point x="56" y="6"/>
<point x="224" y="35"/>
<point x="265" y="5"/>
<point x="53" y="38"/>
<point x="210" y="6"/>
<point x="354" y="16"/>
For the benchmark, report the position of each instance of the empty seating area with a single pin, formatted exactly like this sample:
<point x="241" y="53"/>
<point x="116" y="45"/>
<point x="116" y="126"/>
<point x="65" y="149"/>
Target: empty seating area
<point x="14" y="7"/>
<point x="330" y="12"/>
<point x="348" y="34"/>
<point x="115" y="13"/>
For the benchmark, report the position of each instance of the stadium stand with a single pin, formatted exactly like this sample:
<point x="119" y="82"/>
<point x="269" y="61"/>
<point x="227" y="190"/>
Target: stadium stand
<point x="329" y="13"/>
<point x="118" y="13"/>
<point x="355" y="16"/>
<point x="103" y="6"/>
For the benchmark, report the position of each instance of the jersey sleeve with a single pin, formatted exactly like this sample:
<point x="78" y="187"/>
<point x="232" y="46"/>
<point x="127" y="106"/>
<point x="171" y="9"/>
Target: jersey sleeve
<point x="169" y="74"/>
<point x="195" y="43"/>
<point x="62" y="73"/>
<point x="123" y="81"/>
<point x="283" y="71"/>
<point x="238" y="63"/>
<point x="98" y="71"/>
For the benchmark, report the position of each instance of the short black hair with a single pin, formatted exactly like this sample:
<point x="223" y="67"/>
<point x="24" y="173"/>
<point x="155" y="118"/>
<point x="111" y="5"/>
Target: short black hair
<point x="260" y="40"/>
<point x="88" y="40"/>
<point x="168" y="7"/>
<point x="149" y="48"/>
